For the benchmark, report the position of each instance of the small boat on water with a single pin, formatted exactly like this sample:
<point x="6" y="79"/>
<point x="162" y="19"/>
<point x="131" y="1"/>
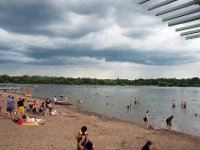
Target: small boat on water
<point x="62" y="100"/>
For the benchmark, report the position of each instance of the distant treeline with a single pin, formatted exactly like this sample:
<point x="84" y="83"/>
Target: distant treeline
<point x="190" y="82"/>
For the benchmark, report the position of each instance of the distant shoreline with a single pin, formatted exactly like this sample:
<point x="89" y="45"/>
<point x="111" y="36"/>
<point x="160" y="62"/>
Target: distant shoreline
<point x="162" y="82"/>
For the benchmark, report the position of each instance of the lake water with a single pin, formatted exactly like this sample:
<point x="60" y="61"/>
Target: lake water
<point x="112" y="101"/>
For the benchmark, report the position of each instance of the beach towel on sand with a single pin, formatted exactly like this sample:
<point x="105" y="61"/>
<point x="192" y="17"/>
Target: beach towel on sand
<point x="31" y="123"/>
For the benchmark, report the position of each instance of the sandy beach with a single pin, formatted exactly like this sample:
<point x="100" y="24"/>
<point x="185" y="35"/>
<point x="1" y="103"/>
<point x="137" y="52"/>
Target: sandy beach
<point x="58" y="133"/>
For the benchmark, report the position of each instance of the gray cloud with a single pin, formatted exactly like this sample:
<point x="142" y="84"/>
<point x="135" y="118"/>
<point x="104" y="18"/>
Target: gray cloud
<point x="55" y="56"/>
<point x="55" y="33"/>
<point x="28" y="17"/>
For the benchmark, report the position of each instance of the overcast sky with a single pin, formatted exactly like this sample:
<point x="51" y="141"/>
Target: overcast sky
<point x="92" y="38"/>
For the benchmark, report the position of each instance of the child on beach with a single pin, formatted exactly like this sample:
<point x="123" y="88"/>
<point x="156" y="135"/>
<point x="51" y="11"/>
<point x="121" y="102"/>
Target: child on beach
<point x="169" y="122"/>
<point x="88" y="144"/>
<point x="82" y="132"/>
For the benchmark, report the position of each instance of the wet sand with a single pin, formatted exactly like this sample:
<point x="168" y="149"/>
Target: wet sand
<point x="58" y="133"/>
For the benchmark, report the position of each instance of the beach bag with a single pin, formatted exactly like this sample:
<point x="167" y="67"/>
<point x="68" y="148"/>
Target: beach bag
<point x="15" y="120"/>
<point x="19" y="122"/>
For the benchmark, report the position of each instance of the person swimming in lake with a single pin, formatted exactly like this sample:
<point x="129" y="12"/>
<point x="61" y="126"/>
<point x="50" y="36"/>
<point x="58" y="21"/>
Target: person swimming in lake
<point x="173" y="104"/>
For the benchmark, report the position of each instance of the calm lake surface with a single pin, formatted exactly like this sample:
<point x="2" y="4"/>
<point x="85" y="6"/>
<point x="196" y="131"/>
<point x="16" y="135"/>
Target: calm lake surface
<point x="112" y="101"/>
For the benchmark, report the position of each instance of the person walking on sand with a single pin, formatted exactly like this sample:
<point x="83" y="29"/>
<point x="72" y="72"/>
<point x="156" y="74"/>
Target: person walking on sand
<point x="146" y="119"/>
<point x="169" y="122"/>
<point x="146" y="146"/>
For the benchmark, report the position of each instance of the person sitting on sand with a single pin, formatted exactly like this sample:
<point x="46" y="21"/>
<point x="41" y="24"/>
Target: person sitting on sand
<point x="86" y="144"/>
<point x="169" y="122"/>
<point x="146" y="146"/>
<point x="42" y="108"/>
<point x="146" y="119"/>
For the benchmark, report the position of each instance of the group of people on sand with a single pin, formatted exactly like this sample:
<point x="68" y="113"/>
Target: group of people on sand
<point x="19" y="115"/>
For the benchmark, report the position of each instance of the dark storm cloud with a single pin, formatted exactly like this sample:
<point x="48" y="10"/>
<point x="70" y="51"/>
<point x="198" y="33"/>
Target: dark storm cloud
<point x="115" y="54"/>
<point x="26" y="16"/>
<point x="35" y="17"/>
<point x="4" y="48"/>
<point x="72" y="20"/>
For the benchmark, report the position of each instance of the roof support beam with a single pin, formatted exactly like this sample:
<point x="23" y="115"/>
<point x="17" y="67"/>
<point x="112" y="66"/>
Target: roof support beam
<point x="190" y="32"/>
<point x="161" y="4"/>
<point x="192" y="36"/>
<point x="188" y="27"/>
<point x="143" y="1"/>
<point x="181" y="14"/>
<point x="185" y="20"/>
<point x="176" y="8"/>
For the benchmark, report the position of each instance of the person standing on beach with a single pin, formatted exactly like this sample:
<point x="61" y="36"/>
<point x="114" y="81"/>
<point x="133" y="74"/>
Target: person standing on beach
<point x="48" y="106"/>
<point x="55" y="99"/>
<point x="0" y="105"/>
<point x="20" y="105"/>
<point x="169" y="122"/>
<point x="146" y="119"/>
<point x="10" y="105"/>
